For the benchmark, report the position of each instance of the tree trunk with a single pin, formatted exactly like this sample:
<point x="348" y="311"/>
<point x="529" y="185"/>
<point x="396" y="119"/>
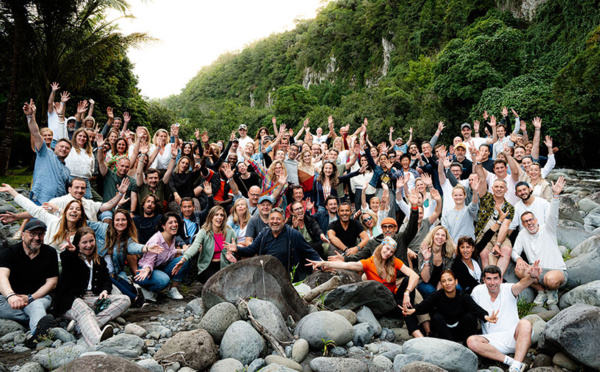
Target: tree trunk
<point x="18" y="10"/>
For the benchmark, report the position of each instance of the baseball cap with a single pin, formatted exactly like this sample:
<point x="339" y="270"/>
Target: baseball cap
<point x="465" y="125"/>
<point x="34" y="225"/>
<point x="71" y="118"/>
<point x="266" y="198"/>
<point x="461" y="144"/>
<point x="243" y="126"/>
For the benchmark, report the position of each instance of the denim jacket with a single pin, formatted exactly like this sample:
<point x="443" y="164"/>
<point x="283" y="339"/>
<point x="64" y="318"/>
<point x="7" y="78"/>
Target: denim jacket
<point x="118" y="255"/>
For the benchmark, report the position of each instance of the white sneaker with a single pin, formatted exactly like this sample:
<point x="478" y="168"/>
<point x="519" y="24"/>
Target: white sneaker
<point x="516" y="367"/>
<point x="552" y="298"/>
<point x="540" y="298"/>
<point x="71" y="326"/>
<point x="149" y="296"/>
<point x="174" y="294"/>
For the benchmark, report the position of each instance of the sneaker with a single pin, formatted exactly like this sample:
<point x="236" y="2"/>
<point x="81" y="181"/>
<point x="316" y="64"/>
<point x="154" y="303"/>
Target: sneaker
<point x="107" y="333"/>
<point x="71" y="326"/>
<point x="174" y="294"/>
<point x="552" y="298"/>
<point x="516" y="367"/>
<point x="17" y="235"/>
<point x="540" y="298"/>
<point x="149" y="296"/>
<point x="41" y="330"/>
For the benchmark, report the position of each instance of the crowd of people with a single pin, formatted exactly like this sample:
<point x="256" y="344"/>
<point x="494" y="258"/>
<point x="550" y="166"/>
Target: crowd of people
<point x="117" y="215"/>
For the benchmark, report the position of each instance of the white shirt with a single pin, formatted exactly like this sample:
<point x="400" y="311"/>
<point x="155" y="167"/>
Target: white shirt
<point x="499" y="146"/>
<point x="539" y="208"/>
<point x="447" y="201"/>
<point x="80" y="164"/>
<point x="506" y="303"/>
<point x="243" y="142"/>
<point x="543" y="245"/>
<point x="90" y="207"/>
<point x="59" y="129"/>
<point x="317" y="140"/>
<point x="90" y="264"/>
<point x="477" y="141"/>
<point x="162" y="161"/>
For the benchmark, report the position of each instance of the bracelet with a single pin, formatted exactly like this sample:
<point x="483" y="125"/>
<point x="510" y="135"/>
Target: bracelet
<point x="10" y="295"/>
<point x="479" y="162"/>
<point x="173" y="157"/>
<point x="415" y="208"/>
<point x="537" y="130"/>
<point x="29" y="116"/>
<point x="120" y="193"/>
<point x="146" y="249"/>
<point x="407" y="292"/>
<point x="556" y="196"/>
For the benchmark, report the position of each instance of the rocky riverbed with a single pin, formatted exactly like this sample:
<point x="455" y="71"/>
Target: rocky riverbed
<point x="249" y="318"/>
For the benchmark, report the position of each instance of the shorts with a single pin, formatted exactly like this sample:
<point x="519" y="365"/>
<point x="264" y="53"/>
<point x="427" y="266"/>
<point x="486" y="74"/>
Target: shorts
<point x="504" y="342"/>
<point x="546" y="271"/>
<point x="505" y="244"/>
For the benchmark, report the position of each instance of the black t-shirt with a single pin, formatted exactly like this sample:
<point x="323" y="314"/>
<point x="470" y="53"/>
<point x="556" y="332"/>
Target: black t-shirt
<point x="245" y="184"/>
<point x="28" y="275"/>
<point x="146" y="227"/>
<point x="349" y="236"/>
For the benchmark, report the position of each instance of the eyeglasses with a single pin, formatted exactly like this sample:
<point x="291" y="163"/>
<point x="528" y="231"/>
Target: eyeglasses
<point x="367" y="219"/>
<point x="529" y="220"/>
<point x="37" y="235"/>
<point x="254" y="195"/>
<point x="388" y="227"/>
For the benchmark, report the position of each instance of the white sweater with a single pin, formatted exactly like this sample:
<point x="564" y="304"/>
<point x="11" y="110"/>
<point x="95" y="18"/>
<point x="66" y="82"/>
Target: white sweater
<point x="80" y="165"/>
<point x="543" y="245"/>
<point x="52" y="222"/>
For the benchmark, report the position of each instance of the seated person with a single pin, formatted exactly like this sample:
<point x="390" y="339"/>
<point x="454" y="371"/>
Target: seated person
<point x="83" y="281"/>
<point x="344" y="233"/>
<point x="540" y="244"/>
<point x="28" y="272"/>
<point x="453" y="313"/>
<point x="384" y="262"/>
<point x="503" y="333"/>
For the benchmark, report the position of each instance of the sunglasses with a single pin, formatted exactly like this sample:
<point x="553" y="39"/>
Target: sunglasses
<point x="367" y="219"/>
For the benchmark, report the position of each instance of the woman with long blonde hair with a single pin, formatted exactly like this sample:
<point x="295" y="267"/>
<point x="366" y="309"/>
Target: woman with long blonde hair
<point x="80" y="160"/>
<point x="210" y="245"/>
<point x="238" y="220"/>
<point x="274" y="179"/>
<point x="436" y="255"/>
<point x="382" y="267"/>
<point x="306" y="172"/>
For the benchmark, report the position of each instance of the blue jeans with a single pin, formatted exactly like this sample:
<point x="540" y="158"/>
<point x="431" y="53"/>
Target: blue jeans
<point x="31" y="313"/>
<point x="425" y="289"/>
<point x="124" y="286"/>
<point x="161" y="275"/>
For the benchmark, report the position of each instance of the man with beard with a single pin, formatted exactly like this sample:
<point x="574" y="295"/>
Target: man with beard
<point x="528" y="203"/>
<point x="193" y="221"/>
<point x="475" y="142"/>
<point x="325" y="218"/>
<point x="28" y="272"/>
<point x="345" y="232"/>
<point x="460" y="151"/>
<point x="309" y="228"/>
<point x="282" y="242"/>
<point x="154" y="184"/>
<point x="147" y="221"/>
<point x="51" y="175"/>
<point x="260" y="220"/>
<point x="503" y="333"/>
<point x="540" y="244"/>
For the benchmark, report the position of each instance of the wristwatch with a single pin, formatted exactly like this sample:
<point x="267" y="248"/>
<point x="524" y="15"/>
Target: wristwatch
<point x="30" y="298"/>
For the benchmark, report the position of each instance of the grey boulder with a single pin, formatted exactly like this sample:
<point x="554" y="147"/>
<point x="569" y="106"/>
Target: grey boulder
<point x="365" y="315"/>
<point x="443" y="353"/>
<point x="54" y="358"/>
<point x="242" y="342"/>
<point x="8" y="326"/>
<point x="227" y="365"/>
<point x="269" y="316"/>
<point x="124" y="346"/>
<point x="218" y="318"/>
<point x="322" y="364"/>
<point x="262" y="277"/>
<point x="368" y="293"/>
<point x="102" y="363"/>
<point x="324" y="325"/>
<point x="151" y="365"/>
<point x="199" y="350"/>
<point x="421" y="367"/>
<point x="363" y="333"/>
<point x="403" y="359"/>
<point x="575" y="330"/>
<point x="584" y="268"/>
<point x="195" y="307"/>
<point x="588" y="293"/>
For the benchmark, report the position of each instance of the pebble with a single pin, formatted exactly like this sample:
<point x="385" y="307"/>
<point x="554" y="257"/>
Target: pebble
<point x="382" y="362"/>
<point x="300" y="350"/>
<point x="256" y="365"/>
<point x="276" y="359"/>
<point x="20" y="349"/>
<point x="564" y="361"/>
<point x="339" y="351"/>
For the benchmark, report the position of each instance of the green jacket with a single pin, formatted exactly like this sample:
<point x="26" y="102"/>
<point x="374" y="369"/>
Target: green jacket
<point x="205" y="243"/>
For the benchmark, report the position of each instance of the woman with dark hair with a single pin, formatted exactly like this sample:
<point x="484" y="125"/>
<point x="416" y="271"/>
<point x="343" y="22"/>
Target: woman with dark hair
<point x="181" y="184"/>
<point x="155" y="271"/>
<point x="119" y="150"/>
<point x="210" y="243"/>
<point x="83" y="291"/>
<point x="453" y="313"/>
<point x="382" y="267"/>
<point x="327" y="182"/>
<point x="80" y="160"/>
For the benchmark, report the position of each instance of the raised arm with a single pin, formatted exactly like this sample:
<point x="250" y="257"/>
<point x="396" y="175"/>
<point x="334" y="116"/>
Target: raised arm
<point x="515" y="169"/>
<point x="100" y="154"/>
<point x="274" y="121"/>
<point x="297" y="137"/>
<point x="139" y="172"/>
<point x="438" y="206"/>
<point x="551" y="163"/>
<point x="29" y="110"/>
<point x="53" y="89"/>
<point x="410" y="130"/>
<point x="392" y="143"/>
<point x="438" y="133"/>
<point x="494" y="138"/>
<point x="112" y="203"/>
<point x="535" y="150"/>
<point x="171" y="166"/>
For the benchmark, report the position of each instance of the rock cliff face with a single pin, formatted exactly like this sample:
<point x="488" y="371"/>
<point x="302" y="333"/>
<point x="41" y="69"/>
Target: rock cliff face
<point x="520" y="8"/>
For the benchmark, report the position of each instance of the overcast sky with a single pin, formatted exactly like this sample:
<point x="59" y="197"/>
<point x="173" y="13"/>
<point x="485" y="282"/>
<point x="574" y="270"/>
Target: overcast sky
<point x="193" y="33"/>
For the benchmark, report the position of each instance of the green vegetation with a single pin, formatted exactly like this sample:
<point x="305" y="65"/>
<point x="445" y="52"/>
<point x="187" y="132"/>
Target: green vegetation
<point x="524" y="308"/>
<point x="327" y="345"/>
<point x="17" y="177"/>
<point x="448" y="60"/>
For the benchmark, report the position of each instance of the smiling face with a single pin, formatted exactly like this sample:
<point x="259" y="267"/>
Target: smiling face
<point x="456" y="171"/>
<point x="367" y="221"/>
<point x="535" y="172"/>
<point x="242" y="168"/>
<point x="34" y="239"/>
<point x="241" y="209"/>
<point x="499" y="189"/>
<point x="112" y="137"/>
<point x="171" y="226"/>
<point x="73" y="212"/>
<point x="121" y="146"/>
<point x="328" y="169"/>
<point x="440" y="237"/>
<point x="500" y="170"/>
<point x="152" y="179"/>
<point x="218" y="219"/>
<point x="530" y="222"/>
<point x="87" y="245"/>
<point x="77" y="190"/>
<point x="81" y="139"/>
<point x="375" y="203"/>
<point x="46" y="135"/>
<point x="280" y="155"/>
<point x="448" y="283"/>
<point x="466" y="251"/>
<point x="306" y="157"/>
<point x="276" y="222"/>
<point x="120" y="222"/>
<point x="344" y="212"/>
<point x="492" y="282"/>
<point x="187" y="208"/>
<point x="122" y="167"/>
<point x="466" y="132"/>
<point x="523" y="192"/>
<point x="62" y="149"/>
<point x="387" y="251"/>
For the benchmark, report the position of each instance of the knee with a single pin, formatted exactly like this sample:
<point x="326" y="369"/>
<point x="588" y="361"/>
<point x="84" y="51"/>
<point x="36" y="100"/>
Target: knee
<point x="553" y="280"/>
<point x="473" y="343"/>
<point x="520" y="273"/>
<point x="524" y="326"/>
<point x="506" y="250"/>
